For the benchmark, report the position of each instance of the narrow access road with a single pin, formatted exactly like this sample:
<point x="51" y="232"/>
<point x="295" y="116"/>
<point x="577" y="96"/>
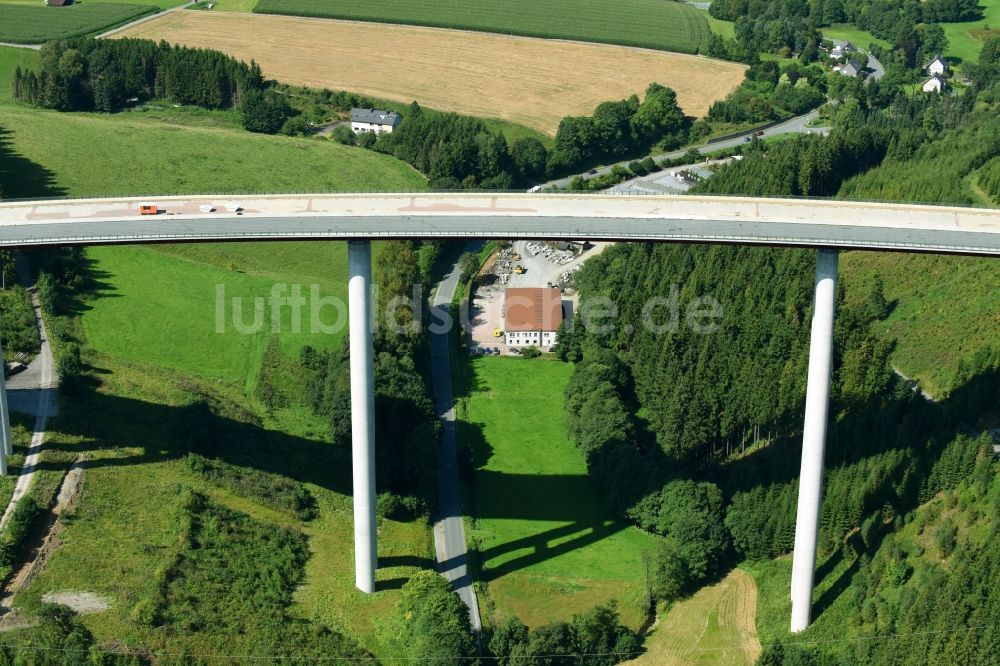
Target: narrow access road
<point x="794" y="125"/>
<point x="39" y="380"/>
<point x="449" y="530"/>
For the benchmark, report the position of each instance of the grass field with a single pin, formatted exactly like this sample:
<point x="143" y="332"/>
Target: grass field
<point x="714" y="627"/>
<point x="11" y="58"/>
<point x="965" y="40"/>
<point x="550" y="548"/>
<point x="129" y="155"/>
<point x="848" y="32"/>
<point x="532" y="82"/>
<point x="149" y="334"/>
<point x="946" y="309"/>
<point x="33" y="24"/>
<point x="654" y="24"/>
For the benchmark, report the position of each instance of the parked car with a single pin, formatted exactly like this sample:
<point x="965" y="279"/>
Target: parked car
<point x="592" y="172"/>
<point x="747" y="139"/>
<point x="759" y="133"/>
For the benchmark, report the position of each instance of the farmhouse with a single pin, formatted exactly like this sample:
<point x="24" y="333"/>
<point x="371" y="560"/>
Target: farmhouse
<point x="373" y="120"/>
<point x="935" y="84"/>
<point x="532" y="316"/>
<point x="937" y="66"/>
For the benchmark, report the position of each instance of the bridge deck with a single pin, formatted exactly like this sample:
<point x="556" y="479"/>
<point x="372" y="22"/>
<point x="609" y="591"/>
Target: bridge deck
<point x="786" y="222"/>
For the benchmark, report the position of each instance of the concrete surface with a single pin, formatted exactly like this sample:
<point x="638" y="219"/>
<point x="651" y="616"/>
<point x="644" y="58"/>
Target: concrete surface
<point x="700" y="219"/>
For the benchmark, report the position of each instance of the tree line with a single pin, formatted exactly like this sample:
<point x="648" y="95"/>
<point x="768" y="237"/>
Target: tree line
<point x="460" y="152"/>
<point x="107" y="75"/>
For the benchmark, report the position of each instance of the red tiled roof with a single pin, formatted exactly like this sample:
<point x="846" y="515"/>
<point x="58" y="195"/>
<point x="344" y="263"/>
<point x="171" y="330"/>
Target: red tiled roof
<point x="532" y="309"/>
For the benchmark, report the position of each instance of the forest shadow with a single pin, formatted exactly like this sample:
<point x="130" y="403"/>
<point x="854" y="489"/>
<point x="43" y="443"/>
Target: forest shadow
<point x="23" y="178"/>
<point x="901" y="420"/>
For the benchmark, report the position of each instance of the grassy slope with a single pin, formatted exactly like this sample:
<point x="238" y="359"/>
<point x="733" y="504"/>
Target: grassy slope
<point x="541" y="523"/>
<point x="10" y="58"/>
<point x="835" y="622"/>
<point x="848" y="32"/>
<point x="946" y="310"/>
<point x="149" y="334"/>
<point x="649" y="23"/>
<point x="965" y="40"/>
<point x="128" y="155"/>
<point x="713" y="627"/>
<point x="33" y="24"/>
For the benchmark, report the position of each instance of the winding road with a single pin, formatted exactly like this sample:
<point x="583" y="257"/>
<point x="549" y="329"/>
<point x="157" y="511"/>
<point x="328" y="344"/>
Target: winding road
<point x="449" y="530"/>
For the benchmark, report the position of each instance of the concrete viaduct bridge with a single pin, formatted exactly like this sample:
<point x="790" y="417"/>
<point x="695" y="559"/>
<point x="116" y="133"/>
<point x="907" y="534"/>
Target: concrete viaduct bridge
<point x="825" y="225"/>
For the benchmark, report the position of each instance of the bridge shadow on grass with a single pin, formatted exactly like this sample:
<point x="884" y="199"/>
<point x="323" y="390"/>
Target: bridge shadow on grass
<point x="22" y="178"/>
<point x="163" y="432"/>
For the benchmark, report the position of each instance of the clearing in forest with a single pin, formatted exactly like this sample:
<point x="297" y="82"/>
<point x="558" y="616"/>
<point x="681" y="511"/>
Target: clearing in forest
<point x="716" y="626"/>
<point x="534" y="82"/>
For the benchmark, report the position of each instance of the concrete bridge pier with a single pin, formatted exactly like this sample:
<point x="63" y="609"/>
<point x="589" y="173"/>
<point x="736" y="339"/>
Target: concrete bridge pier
<point x="359" y="290"/>
<point x="7" y="445"/>
<point x="814" y="439"/>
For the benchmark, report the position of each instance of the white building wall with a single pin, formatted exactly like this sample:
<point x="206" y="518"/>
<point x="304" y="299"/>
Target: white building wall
<point x="932" y="85"/>
<point x="370" y="127"/>
<point x="528" y="338"/>
<point x="936" y="67"/>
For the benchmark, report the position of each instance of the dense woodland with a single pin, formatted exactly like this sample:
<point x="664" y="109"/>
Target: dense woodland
<point x="106" y="75"/>
<point x="712" y="463"/>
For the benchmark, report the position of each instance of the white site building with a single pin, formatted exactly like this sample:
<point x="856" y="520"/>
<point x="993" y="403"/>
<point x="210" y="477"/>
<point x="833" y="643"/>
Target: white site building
<point x="532" y="316"/>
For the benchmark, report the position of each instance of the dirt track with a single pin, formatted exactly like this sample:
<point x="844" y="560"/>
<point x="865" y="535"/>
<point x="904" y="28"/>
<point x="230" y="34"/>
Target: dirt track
<point x="715" y="626"/>
<point x="535" y="82"/>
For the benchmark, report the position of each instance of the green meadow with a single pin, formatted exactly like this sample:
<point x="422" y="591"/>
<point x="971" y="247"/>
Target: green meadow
<point x="548" y="546"/>
<point x="160" y="375"/>
<point x="36" y="23"/>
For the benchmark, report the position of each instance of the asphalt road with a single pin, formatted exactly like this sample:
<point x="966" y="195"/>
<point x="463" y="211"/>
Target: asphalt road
<point x="819" y="223"/>
<point x="33" y="391"/>
<point x="790" y="126"/>
<point x="449" y="530"/>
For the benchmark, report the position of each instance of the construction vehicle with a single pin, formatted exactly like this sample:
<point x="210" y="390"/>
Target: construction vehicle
<point x="148" y="209"/>
<point x="519" y="269"/>
<point x="517" y="257"/>
<point x="497" y="333"/>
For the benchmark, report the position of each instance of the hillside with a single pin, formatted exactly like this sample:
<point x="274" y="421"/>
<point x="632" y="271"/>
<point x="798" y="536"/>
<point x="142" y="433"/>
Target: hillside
<point x="206" y="452"/>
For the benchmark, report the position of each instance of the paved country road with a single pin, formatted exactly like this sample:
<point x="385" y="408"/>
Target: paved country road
<point x="795" y="125"/>
<point x="33" y="391"/>
<point x="449" y="530"/>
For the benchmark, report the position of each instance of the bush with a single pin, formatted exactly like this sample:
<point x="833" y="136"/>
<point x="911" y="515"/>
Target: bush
<point x="263" y="112"/>
<point x="402" y="508"/>
<point x="343" y="134"/>
<point x="531" y="351"/>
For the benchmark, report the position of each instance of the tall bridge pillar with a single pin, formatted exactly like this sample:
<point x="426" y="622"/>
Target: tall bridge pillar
<point x="7" y="444"/>
<point x="814" y="439"/>
<point x="359" y="289"/>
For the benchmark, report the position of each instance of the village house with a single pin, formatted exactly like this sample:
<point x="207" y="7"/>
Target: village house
<point x="937" y="66"/>
<point x="935" y="84"/>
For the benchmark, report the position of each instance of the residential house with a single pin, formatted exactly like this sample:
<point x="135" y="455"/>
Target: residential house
<point x="374" y="120"/>
<point x="935" y="84"/>
<point x="850" y="68"/>
<point x="937" y="66"/>
<point x="841" y="50"/>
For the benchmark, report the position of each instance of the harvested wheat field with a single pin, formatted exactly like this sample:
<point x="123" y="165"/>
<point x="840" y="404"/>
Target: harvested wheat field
<point x="534" y="82"/>
<point x="716" y="626"/>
